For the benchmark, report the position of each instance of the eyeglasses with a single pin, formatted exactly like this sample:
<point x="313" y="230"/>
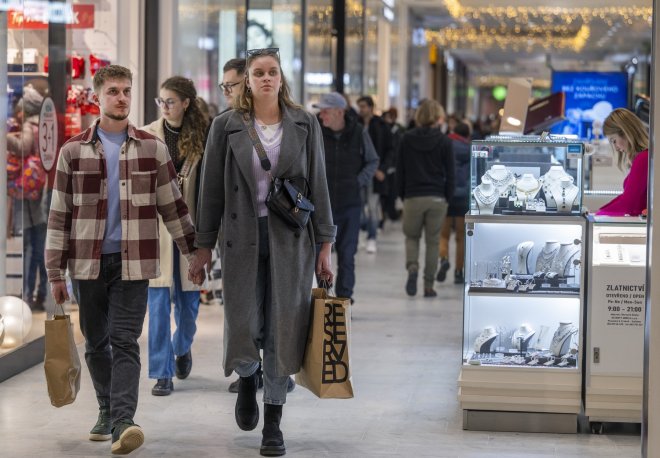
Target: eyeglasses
<point x="228" y="87"/>
<point x="263" y="52"/>
<point x="161" y="103"/>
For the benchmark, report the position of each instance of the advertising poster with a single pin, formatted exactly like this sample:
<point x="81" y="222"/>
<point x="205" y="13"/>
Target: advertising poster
<point x="590" y="98"/>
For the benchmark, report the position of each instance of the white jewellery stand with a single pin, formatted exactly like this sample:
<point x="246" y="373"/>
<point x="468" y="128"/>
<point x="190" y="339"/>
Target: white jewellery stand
<point x="521" y="337"/>
<point x="562" y="260"/>
<point x="527" y="187"/>
<point x="550" y="179"/>
<point x="547" y="256"/>
<point x="486" y="195"/>
<point x="562" y="339"/>
<point x="485" y="340"/>
<point x="564" y="193"/>
<point x="501" y="177"/>
<point x="523" y="250"/>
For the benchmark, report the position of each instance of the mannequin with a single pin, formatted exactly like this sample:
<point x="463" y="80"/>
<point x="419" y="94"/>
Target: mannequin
<point x="547" y="256"/>
<point x="501" y="178"/>
<point x="564" y="193"/>
<point x="485" y="340"/>
<point x="562" y="260"/>
<point x="523" y="250"/>
<point x="486" y="196"/>
<point x="527" y="187"/>
<point x="561" y="341"/>
<point x="521" y="337"/>
<point x="553" y="175"/>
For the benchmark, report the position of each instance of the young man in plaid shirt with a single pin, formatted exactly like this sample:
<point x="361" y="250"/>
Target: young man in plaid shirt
<point x="112" y="181"/>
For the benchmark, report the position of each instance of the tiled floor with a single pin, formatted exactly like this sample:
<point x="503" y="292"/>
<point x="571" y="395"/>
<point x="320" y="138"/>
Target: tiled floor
<point x="406" y="357"/>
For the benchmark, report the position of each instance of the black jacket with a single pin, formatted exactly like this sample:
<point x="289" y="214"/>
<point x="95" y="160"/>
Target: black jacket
<point x="426" y="164"/>
<point x="381" y="136"/>
<point x="461" y="148"/>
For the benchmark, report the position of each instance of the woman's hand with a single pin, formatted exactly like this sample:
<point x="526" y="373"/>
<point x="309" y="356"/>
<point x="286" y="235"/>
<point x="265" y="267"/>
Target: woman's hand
<point x="324" y="264"/>
<point x="201" y="259"/>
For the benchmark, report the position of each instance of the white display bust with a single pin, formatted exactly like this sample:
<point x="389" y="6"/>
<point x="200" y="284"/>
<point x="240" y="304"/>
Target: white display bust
<point x="547" y="256"/>
<point x="527" y="187"/>
<point x="523" y="250"/>
<point x="564" y="193"/>
<point x="486" y="196"/>
<point x="501" y="178"/>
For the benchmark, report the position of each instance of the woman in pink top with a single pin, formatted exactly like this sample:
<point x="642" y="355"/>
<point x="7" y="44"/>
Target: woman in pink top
<point x="630" y="141"/>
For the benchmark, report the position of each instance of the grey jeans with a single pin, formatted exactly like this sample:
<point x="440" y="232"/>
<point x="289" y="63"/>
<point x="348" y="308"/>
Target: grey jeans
<point x="274" y="386"/>
<point x="112" y="313"/>
<point x="423" y="213"/>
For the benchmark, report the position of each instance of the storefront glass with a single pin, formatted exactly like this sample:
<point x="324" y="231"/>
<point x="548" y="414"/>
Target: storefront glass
<point x="355" y="49"/>
<point x="319" y="68"/>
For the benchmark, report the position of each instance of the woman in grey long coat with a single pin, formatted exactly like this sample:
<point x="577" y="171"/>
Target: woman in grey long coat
<point x="267" y="267"/>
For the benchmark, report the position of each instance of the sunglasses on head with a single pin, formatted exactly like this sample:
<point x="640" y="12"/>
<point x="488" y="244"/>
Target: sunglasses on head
<point x="263" y="52"/>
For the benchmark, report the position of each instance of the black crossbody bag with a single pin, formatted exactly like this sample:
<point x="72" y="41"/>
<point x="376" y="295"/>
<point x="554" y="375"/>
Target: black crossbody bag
<point x="285" y="197"/>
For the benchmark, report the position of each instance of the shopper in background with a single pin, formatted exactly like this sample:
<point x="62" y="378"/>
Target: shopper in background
<point x="267" y="267"/>
<point x="458" y="205"/>
<point x="381" y="137"/>
<point x="112" y="181"/>
<point x="233" y="77"/>
<point x="389" y="200"/>
<point x="630" y="140"/>
<point x="425" y="175"/>
<point x="182" y="126"/>
<point x="28" y="210"/>
<point x="350" y="163"/>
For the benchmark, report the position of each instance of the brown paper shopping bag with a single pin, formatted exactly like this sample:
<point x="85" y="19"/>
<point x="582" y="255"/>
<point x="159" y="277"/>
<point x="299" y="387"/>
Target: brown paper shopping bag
<point x="61" y="363"/>
<point x="326" y="370"/>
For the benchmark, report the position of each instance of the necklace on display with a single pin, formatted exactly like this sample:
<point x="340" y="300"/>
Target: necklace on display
<point x="546" y="258"/>
<point x="503" y="181"/>
<point x="561" y="263"/>
<point x="485" y="199"/>
<point x="528" y="186"/>
<point x="561" y="334"/>
<point x="486" y="335"/>
<point x="565" y="198"/>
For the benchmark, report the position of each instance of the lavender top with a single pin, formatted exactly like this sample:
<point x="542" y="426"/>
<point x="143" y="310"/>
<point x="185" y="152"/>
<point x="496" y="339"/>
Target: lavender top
<point x="271" y="138"/>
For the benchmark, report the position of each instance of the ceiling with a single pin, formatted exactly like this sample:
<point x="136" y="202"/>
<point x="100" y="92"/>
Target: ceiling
<point x="503" y="38"/>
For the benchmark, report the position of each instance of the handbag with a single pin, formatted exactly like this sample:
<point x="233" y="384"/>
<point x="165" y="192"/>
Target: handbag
<point x="26" y="176"/>
<point x="326" y="367"/>
<point x="61" y="362"/>
<point x="285" y="199"/>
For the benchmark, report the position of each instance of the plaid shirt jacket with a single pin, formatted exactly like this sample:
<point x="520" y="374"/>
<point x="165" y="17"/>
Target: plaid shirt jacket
<point x="78" y="210"/>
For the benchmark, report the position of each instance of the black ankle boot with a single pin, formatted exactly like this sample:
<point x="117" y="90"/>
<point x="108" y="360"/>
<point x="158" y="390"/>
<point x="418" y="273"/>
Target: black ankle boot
<point x="272" y="443"/>
<point x="247" y="409"/>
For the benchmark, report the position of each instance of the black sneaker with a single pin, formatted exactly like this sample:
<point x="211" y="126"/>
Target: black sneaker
<point x="163" y="387"/>
<point x="183" y="365"/>
<point x="459" y="279"/>
<point x="429" y="292"/>
<point x="444" y="267"/>
<point x="102" y="430"/>
<point x="411" y="284"/>
<point x="233" y="386"/>
<point x="126" y="437"/>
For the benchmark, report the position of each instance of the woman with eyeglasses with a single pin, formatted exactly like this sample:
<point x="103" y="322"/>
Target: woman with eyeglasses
<point x="630" y="140"/>
<point x="182" y="126"/>
<point x="267" y="266"/>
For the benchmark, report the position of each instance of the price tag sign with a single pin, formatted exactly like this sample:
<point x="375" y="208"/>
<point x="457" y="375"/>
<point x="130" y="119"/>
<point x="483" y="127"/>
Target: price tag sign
<point x="48" y="133"/>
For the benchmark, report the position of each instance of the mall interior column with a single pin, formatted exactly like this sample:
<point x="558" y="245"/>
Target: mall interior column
<point x="3" y="148"/>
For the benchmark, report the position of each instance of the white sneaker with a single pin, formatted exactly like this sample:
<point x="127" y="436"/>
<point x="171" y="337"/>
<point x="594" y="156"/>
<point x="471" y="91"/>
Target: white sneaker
<point x="371" y="246"/>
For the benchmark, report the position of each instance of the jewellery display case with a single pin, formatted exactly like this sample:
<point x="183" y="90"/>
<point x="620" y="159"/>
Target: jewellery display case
<point x="528" y="174"/>
<point x="616" y="313"/>
<point x="523" y="310"/>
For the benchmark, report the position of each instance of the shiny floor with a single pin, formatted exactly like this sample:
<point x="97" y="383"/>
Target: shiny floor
<point x="405" y="356"/>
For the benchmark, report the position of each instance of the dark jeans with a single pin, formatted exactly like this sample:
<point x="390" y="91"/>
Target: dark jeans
<point x="34" y="242"/>
<point x="112" y="313"/>
<point x="347" y="221"/>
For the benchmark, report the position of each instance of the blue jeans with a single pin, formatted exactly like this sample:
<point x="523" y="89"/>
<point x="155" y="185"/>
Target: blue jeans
<point x="274" y="386"/>
<point x="347" y="220"/>
<point x="34" y="242"/>
<point x="111" y="317"/>
<point x="162" y="345"/>
<point x="371" y="201"/>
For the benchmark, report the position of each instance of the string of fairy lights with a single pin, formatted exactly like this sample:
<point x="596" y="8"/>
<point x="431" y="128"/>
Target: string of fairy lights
<point x="521" y="28"/>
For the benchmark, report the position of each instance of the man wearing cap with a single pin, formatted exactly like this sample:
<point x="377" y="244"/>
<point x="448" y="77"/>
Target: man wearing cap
<point x="350" y="164"/>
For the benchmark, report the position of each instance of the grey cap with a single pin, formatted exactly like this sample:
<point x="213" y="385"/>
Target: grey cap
<point x="331" y="100"/>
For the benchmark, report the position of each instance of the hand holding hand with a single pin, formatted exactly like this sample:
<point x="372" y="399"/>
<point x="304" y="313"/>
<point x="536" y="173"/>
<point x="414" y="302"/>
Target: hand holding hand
<point x="201" y="260"/>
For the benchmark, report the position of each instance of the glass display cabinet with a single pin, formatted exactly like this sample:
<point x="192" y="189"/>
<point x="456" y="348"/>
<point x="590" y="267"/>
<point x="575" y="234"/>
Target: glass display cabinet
<point x="524" y="286"/>
<point x="616" y="311"/>
<point x="526" y="175"/>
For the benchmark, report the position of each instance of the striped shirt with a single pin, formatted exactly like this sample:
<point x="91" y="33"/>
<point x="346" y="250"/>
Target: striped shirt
<point x="271" y="138"/>
<point x="79" y="208"/>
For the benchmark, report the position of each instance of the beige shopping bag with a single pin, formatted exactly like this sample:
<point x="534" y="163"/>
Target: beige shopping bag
<point x="61" y="363"/>
<point x="326" y="370"/>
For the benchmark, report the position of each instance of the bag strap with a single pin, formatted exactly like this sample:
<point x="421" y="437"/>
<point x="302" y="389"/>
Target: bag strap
<point x="185" y="171"/>
<point x="261" y="152"/>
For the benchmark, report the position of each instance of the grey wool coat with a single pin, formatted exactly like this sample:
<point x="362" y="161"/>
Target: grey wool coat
<point x="227" y="211"/>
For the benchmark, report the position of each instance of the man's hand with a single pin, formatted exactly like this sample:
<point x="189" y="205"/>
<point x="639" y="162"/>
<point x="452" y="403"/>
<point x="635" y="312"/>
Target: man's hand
<point x="379" y="175"/>
<point x="59" y="292"/>
<point x="201" y="259"/>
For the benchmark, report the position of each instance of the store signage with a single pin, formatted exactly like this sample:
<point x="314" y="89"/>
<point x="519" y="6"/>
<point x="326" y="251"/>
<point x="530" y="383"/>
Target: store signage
<point x="48" y="133"/>
<point x="590" y="98"/>
<point x="38" y="17"/>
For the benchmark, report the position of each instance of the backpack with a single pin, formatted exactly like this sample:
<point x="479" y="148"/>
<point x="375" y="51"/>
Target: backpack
<point x="26" y="176"/>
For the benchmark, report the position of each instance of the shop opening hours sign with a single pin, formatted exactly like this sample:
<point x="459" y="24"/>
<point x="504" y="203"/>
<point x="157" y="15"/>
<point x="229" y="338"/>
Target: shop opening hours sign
<point x="37" y="15"/>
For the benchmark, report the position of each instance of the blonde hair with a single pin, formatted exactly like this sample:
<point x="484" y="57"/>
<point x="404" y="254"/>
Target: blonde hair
<point x="624" y="123"/>
<point x="244" y="101"/>
<point x="428" y="113"/>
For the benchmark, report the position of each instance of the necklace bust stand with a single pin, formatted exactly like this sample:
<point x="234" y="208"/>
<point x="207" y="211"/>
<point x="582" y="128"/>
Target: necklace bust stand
<point x="521" y="338"/>
<point x="547" y="256"/>
<point x="562" y="260"/>
<point x="486" y="196"/>
<point x="501" y="177"/>
<point x="561" y="341"/>
<point x="552" y="177"/>
<point x="484" y="342"/>
<point x="523" y="250"/>
<point x="527" y="187"/>
<point x="564" y="193"/>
